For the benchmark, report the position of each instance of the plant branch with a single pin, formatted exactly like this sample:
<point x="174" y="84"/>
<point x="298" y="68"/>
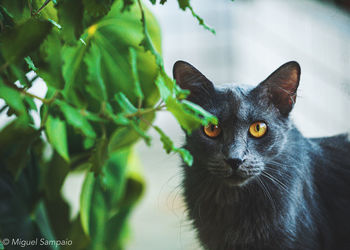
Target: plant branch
<point x="3" y="108"/>
<point x="42" y="7"/>
<point x="43" y="100"/>
<point x="142" y="112"/>
<point x="46" y="115"/>
<point x="4" y="66"/>
<point x="147" y="41"/>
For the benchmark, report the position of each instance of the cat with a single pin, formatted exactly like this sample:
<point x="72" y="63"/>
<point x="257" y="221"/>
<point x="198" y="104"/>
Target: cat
<point x="256" y="182"/>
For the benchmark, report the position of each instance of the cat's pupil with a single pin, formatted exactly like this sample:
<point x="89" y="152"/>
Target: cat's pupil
<point x="257" y="127"/>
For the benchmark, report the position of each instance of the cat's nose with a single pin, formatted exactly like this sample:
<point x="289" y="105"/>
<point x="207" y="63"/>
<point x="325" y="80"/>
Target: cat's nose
<point x="234" y="162"/>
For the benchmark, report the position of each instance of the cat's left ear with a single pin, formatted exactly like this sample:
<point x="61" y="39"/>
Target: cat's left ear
<point x="281" y="87"/>
<point x="190" y="78"/>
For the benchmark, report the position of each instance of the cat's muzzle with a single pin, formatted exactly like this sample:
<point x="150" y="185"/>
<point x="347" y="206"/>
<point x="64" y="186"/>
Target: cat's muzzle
<point x="237" y="172"/>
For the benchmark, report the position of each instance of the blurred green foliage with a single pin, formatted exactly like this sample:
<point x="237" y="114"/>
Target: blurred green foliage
<point x="101" y="62"/>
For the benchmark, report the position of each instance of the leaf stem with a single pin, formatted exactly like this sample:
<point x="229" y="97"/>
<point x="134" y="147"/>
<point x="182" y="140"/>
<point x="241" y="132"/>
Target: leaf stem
<point x="43" y="100"/>
<point x="46" y="115"/>
<point x="142" y="112"/>
<point x="147" y="41"/>
<point x="3" y="108"/>
<point x="42" y="7"/>
<point x="4" y="66"/>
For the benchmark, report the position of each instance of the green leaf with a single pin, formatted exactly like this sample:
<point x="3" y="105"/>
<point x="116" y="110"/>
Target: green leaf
<point x="15" y="144"/>
<point x="20" y="195"/>
<point x="29" y="103"/>
<point x="118" y="119"/>
<point x="98" y="191"/>
<point x="55" y="173"/>
<point x="77" y="235"/>
<point x="88" y="143"/>
<point x="168" y="145"/>
<point x="124" y="137"/>
<point x="13" y="98"/>
<point x="116" y="233"/>
<point x="115" y="34"/>
<point x="167" y="142"/>
<point x="33" y="32"/>
<point x="114" y="176"/>
<point x="186" y="156"/>
<point x="73" y="72"/>
<point x="97" y="7"/>
<point x="125" y="103"/>
<point x="30" y="63"/>
<point x="189" y="115"/>
<point x="201" y="20"/>
<point x="50" y="65"/>
<point x="57" y="135"/>
<point x="16" y="9"/>
<point x="93" y="117"/>
<point x="121" y="138"/>
<point x="136" y="126"/>
<point x="5" y="18"/>
<point x="112" y="36"/>
<point x="199" y="111"/>
<point x="70" y="16"/>
<point x="127" y="4"/>
<point x="99" y="155"/>
<point x="137" y="85"/>
<point x="107" y="200"/>
<point x="85" y="201"/>
<point x="1" y="246"/>
<point x="184" y="4"/>
<point x="47" y="10"/>
<point x="76" y="119"/>
<point x="43" y="223"/>
<point x="18" y="71"/>
<point x="165" y="90"/>
<point x="187" y="120"/>
<point x="96" y="86"/>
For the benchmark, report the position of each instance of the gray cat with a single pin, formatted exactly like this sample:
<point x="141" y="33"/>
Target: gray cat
<point x="257" y="183"/>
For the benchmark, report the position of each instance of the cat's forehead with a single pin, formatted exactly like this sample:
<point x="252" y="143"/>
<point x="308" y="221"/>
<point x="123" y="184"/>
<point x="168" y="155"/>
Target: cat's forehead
<point x="234" y="100"/>
<point x="234" y="87"/>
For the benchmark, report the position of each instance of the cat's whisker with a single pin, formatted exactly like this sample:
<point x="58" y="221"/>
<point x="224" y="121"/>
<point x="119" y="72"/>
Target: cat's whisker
<point x="278" y="172"/>
<point x="277" y="180"/>
<point x="266" y="192"/>
<point x="274" y="180"/>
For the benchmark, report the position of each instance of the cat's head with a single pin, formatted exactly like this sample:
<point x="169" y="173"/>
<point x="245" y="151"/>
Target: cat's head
<point x="253" y="122"/>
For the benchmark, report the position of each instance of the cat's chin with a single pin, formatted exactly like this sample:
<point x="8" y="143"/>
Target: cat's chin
<point x="237" y="181"/>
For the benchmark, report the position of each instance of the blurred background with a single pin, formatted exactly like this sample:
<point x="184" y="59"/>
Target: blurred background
<point x="253" y="38"/>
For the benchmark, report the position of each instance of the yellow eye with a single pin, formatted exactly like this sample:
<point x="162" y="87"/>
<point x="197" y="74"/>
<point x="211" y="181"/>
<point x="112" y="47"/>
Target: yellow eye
<point x="212" y="130"/>
<point x="258" y="129"/>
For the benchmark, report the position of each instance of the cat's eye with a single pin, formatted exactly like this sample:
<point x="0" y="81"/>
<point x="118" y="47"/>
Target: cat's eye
<point x="258" y="129"/>
<point x="212" y="130"/>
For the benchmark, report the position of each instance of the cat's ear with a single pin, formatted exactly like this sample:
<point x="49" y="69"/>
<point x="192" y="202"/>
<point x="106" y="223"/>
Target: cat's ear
<point x="188" y="77"/>
<point x="281" y="87"/>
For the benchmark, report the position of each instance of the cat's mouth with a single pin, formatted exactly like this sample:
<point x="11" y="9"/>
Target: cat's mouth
<point x="235" y="177"/>
<point x="236" y="180"/>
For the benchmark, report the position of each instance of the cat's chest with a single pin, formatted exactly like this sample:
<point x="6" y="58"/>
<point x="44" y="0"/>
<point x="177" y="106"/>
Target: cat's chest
<point x="237" y="222"/>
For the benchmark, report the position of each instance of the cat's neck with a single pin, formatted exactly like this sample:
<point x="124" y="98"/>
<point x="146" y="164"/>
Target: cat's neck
<point x="240" y="214"/>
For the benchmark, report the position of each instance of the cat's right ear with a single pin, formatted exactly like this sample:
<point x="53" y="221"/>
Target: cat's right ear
<point x="281" y="86"/>
<point x="188" y="77"/>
